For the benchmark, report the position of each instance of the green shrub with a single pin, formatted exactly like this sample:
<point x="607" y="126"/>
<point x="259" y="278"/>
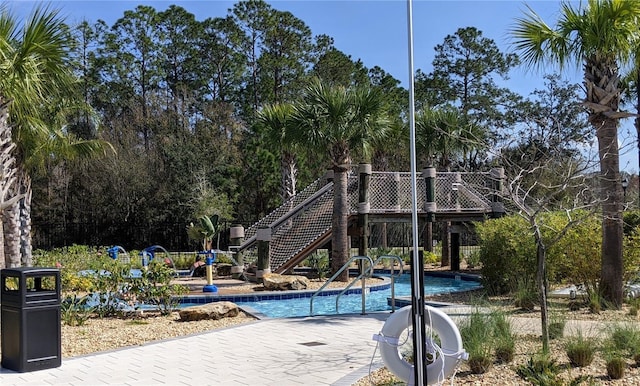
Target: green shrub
<point x="623" y="337"/>
<point x="74" y="311"/>
<point x="319" y="262"/>
<point x="594" y="301"/>
<point x="503" y="337"/>
<point x="485" y="335"/>
<point x="507" y="253"/>
<point x="631" y="223"/>
<point x="616" y="367"/>
<point x="580" y="350"/>
<point x="430" y="258"/>
<point x="526" y="295"/>
<point x="540" y="370"/>
<point x="477" y="334"/>
<point x="557" y="322"/>
<point x="473" y="259"/>
<point x="621" y="341"/>
<point x="155" y="288"/>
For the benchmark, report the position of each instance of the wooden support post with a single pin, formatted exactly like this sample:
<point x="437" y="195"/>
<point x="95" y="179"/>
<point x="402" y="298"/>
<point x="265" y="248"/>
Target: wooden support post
<point x="430" y="207"/>
<point x="263" y="235"/>
<point x="455" y="247"/>
<point x="236" y="237"/>
<point x="497" y="179"/>
<point x="364" y="171"/>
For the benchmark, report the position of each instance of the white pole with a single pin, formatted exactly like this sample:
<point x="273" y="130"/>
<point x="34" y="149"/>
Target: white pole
<point x="417" y="276"/>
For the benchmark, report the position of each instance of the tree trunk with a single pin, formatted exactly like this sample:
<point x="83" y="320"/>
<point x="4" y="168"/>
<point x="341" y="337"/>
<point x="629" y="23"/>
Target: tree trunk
<point x="9" y="194"/>
<point x="603" y="97"/>
<point x="541" y="281"/>
<point x="11" y="229"/>
<point x="612" y="265"/>
<point x="339" y="224"/>
<point x="289" y="175"/>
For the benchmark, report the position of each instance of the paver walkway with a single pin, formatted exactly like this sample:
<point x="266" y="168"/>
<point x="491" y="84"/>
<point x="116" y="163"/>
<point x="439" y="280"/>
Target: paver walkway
<point x="300" y="351"/>
<point x="321" y="350"/>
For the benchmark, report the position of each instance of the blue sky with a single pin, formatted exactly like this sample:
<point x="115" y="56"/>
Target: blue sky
<point x="375" y="31"/>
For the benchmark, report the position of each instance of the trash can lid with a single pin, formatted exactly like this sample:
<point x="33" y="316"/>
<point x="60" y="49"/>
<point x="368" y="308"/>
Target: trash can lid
<point x="16" y="271"/>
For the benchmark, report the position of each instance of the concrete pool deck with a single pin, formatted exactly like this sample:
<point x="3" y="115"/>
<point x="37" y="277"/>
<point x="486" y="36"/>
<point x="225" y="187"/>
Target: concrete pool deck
<point x="320" y="350"/>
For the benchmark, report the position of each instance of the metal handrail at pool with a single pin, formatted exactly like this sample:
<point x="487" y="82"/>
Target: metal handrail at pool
<point x="363" y="273"/>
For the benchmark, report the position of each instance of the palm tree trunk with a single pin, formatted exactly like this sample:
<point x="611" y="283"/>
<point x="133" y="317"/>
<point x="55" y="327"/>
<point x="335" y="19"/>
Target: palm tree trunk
<point x="289" y="175"/>
<point x="603" y="96"/>
<point x="8" y="196"/>
<point x="11" y="229"/>
<point x="339" y="224"/>
<point x="612" y="266"/>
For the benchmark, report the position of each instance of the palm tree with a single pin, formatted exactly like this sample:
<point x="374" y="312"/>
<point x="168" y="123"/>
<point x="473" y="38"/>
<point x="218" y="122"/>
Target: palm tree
<point x="601" y="38"/>
<point x="339" y="121"/>
<point x="272" y="121"/>
<point x="445" y="136"/>
<point x="36" y="87"/>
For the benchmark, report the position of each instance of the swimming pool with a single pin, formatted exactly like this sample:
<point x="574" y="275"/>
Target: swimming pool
<point x="376" y="300"/>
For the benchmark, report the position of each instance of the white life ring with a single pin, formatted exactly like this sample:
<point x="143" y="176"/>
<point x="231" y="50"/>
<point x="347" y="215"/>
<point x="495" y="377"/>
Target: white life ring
<point x="447" y="355"/>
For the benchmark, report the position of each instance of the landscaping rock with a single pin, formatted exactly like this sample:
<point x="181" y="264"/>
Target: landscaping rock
<point x="223" y="269"/>
<point x="213" y="311"/>
<point x="276" y="282"/>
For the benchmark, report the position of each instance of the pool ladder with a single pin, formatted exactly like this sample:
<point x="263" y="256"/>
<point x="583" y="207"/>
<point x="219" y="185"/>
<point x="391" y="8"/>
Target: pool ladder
<point x="364" y="273"/>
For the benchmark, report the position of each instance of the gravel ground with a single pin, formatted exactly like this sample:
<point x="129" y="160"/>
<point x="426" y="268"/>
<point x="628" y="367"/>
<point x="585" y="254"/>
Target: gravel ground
<point x="526" y="345"/>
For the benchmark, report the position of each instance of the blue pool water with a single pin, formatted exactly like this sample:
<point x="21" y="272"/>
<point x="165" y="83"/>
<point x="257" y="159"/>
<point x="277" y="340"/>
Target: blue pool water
<point x="375" y="300"/>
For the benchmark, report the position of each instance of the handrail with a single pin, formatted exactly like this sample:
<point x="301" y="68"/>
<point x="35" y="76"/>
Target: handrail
<point x="290" y="213"/>
<point x="401" y="263"/>
<point x="335" y="275"/>
<point x="363" y="274"/>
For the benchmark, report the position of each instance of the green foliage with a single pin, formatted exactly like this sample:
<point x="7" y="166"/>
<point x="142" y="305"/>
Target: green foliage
<point x="616" y="367"/>
<point x="580" y="350"/>
<point x="111" y="286"/>
<point x="431" y="258"/>
<point x="541" y="370"/>
<point x="634" y="305"/>
<point x="70" y="261"/>
<point x="525" y="295"/>
<point x="507" y="252"/>
<point x="594" y="301"/>
<point x="473" y="259"/>
<point x="155" y="288"/>
<point x="484" y="335"/>
<point x="622" y="338"/>
<point x="205" y="231"/>
<point x="557" y="322"/>
<point x="621" y="341"/>
<point x="319" y="262"/>
<point x="631" y="223"/>
<point x="504" y="337"/>
<point x="74" y="311"/>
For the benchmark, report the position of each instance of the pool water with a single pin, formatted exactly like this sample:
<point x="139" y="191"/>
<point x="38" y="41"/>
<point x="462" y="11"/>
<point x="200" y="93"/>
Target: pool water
<point x="375" y="300"/>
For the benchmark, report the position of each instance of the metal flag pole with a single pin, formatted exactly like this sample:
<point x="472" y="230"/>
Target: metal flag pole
<point x="417" y="263"/>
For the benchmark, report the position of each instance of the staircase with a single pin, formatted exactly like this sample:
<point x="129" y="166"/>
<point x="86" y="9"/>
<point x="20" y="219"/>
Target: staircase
<point x="303" y="224"/>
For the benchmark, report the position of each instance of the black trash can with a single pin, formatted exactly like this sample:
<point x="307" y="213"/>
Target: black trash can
<point x="30" y="318"/>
